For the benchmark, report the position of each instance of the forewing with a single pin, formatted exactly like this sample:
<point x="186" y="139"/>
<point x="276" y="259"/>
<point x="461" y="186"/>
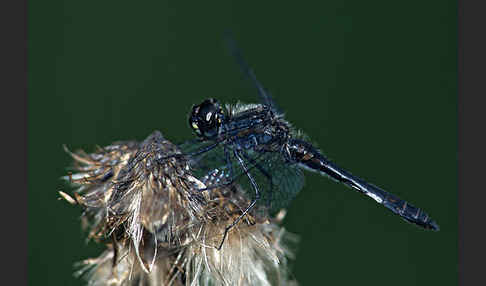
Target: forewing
<point x="277" y="180"/>
<point x="287" y="180"/>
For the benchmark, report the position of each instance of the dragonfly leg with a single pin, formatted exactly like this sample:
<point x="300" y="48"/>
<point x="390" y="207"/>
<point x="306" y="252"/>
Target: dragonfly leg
<point x="196" y="153"/>
<point x="204" y="149"/>
<point x="228" y="161"/>
<point x="266" y="174"/>
<point x="250" y="206"/>
<point x="229" y="166"/>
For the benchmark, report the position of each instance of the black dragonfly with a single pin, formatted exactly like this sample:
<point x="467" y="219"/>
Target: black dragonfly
<point x="254" y="145"/>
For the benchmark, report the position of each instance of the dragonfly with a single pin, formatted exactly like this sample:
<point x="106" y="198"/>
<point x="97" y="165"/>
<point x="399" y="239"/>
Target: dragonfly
<point x="253" y="145"/>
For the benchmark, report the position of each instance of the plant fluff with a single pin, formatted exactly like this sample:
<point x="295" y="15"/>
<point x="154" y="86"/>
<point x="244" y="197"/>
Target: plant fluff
<point x="142" y="201"/>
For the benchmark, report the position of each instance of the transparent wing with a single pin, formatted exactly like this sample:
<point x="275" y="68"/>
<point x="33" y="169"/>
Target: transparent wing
<point x="264" y="94"/>
<point x="204" y="158"/>
<point x="278" y="181"/>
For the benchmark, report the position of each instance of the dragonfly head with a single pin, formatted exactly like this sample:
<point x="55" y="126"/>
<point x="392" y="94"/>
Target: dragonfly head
<point x="206" y="119"/>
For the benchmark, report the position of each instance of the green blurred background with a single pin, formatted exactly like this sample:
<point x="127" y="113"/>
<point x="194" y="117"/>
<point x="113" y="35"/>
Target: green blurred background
<point x="373" y="83"/>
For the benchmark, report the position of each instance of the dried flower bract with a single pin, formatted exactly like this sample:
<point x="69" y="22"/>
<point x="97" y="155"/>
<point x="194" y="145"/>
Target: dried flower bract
<point x="142" y="201"/>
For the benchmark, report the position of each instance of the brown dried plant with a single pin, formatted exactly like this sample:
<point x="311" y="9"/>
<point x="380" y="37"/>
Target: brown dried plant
<point x="142" y="201"/>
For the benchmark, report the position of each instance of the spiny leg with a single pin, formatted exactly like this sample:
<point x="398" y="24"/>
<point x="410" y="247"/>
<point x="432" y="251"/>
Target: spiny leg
<point x="252" y="204"/>
<point x="229" y="166"/>
<point x="204" y="149"/>
<point x="228" y="161"/>
<point x="265" y="173"/>
<point x="233" y="175"/>
<point x="196" y="153"/>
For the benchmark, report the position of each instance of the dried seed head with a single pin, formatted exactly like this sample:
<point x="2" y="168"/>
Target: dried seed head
<point x="143" y="202"/>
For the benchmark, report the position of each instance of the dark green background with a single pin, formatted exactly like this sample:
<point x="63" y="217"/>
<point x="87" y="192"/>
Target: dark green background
<point x="373" y="83"/>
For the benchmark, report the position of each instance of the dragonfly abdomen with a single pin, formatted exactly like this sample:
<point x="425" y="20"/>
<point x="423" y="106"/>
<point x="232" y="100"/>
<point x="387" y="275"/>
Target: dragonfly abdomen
<point x="409" y="212"/>
<point x="310" y="158"/>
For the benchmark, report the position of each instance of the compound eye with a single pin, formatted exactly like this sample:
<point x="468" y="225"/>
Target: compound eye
<point x="195" y="127"/>
<point x="206" y="118"/>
